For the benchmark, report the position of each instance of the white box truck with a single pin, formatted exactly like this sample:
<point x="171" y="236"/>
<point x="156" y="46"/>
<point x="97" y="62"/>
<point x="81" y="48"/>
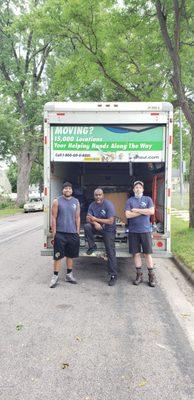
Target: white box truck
<point x="109" y="145"/>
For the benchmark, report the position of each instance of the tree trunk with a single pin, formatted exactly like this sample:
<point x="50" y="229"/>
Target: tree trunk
<point x="191" y="183"/>
<point x="24" y="168"/>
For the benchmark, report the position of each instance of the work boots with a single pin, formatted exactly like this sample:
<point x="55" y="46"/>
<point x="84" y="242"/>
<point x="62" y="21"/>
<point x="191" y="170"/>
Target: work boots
<point x="139" y="277"/>
<point x="152" y="278"/>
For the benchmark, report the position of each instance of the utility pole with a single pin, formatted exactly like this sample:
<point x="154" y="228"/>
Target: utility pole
<point x="181" y="157"/>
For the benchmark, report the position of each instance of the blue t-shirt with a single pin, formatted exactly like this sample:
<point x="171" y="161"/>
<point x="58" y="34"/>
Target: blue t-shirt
<point x="140" y="224"/>
<point x="103" y="211"/>
<point x="66" y="218"/>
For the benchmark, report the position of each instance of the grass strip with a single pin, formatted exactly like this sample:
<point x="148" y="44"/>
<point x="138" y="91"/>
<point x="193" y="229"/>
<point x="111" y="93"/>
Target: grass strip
<point x="183" y="241"/>
<point x="5" y="212"/>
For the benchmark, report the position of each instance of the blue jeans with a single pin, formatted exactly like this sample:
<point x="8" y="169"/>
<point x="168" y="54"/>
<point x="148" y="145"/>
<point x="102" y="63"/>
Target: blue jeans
<point x="109" y="242"/>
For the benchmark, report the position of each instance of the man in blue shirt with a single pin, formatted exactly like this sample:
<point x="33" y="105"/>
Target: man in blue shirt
<point x="101" y="220"/>
<point x="138" y="210"/>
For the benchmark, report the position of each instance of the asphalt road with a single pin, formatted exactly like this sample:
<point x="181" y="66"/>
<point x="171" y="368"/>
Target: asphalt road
<point x="90" y="341"/>
<point x="15" y="225"/>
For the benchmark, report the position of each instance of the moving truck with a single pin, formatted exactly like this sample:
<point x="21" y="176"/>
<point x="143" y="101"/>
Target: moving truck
<point x="109" y="145"/>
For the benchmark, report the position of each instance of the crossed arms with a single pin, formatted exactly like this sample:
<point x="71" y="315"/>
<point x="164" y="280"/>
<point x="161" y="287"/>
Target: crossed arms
<point x="136" y="212"/>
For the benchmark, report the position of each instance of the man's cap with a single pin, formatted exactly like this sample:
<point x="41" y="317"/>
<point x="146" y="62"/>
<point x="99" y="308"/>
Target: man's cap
<point x="138" y="183"/>
<point x="67" y="184"/>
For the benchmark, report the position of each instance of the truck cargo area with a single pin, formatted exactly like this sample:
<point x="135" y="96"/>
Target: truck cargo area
<point x="116" y="180"/>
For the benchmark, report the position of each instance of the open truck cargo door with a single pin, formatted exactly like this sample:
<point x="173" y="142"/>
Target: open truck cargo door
<point x="109" y="145"/>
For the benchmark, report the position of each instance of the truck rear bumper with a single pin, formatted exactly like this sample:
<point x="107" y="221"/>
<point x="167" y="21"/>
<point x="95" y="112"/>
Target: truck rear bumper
<point x="101" y="254"/>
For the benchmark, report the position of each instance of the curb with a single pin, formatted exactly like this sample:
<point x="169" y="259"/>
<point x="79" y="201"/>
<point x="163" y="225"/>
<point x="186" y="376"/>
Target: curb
<point x="184" y="269"/>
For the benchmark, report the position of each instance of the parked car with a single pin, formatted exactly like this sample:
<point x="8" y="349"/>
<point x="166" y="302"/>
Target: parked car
<point x="33" y="205"/>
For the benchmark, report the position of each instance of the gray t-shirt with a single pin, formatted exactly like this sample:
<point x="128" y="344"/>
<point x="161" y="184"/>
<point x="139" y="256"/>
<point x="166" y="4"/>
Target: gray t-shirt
<point x="104" y="210"/>
<point x="66" y="218"/>
<point x="140" y="224"/>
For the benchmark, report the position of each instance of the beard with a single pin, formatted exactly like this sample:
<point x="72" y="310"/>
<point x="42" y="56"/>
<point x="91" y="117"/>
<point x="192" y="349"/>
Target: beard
<point x="138" y="195"/>
<point x="67" y="194"/>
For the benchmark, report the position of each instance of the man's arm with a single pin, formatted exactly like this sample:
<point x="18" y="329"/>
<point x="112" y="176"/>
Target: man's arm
<point x="143" y="211"/>
<point x="54" y="216"/>
<point x="128" y="211"/>
<point x="131" y="214"/>
<point x="88" y="218"/>
<point x="89" y="213"/>
<point x="106" y="221"/>
<point x="77" y="218"/>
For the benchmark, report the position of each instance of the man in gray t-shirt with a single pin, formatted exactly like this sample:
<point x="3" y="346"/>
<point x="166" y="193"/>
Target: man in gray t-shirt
<point x="65" y="229"/>
<point x="138" y="211"/>
<point x="101" y="220"/>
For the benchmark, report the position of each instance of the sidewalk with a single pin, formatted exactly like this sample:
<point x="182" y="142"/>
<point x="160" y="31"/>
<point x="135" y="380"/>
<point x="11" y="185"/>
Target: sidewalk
<point x="182" y="214"/>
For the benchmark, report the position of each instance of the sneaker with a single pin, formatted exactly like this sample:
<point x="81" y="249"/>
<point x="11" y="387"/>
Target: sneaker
<point x="112" y="280"/>
<point x="91" y="250"/>
<point x="70" y="278"/>
<point x="54" y="280"/>
<point x="152" y="279"/>
<point x="138" y="279"/>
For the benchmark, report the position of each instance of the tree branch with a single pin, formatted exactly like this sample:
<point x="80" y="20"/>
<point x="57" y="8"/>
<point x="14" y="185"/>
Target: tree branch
<point x="42" y="49"/>
<point x="176" y="79"/>
<point x="43" y="61"/>
<point x="177" y="13"/>
<point x="78" y="37"/>
<point x="163" y="26"/>
<point x="5" y="72"/>
<point x="115" y="82"/>
<point x="29" y="42"/>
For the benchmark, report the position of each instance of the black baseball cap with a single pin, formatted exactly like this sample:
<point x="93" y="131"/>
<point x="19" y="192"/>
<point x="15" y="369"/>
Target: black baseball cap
<point x="138" y="183"/>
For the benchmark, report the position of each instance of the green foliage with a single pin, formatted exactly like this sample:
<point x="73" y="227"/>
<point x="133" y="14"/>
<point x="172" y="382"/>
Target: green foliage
<point x="101" y="51"/>
<point x="98" y="45"/>
<point x="10" y="129"/>
<point x="36" y="174"/>
<point x="12" y="176"/>
<point x="22" y="61"/>
<point x="5" y="202"/>
<point x="9" y="211"/>
<point x="186" y="141"/>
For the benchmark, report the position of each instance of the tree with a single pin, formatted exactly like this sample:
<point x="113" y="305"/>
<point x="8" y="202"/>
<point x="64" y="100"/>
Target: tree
<point x="22" y="62"/>
<point x="176" y="23"/>
<point x="9" y="130"/>
<point x="97" y="45"/>
<point x="143" y="51"/>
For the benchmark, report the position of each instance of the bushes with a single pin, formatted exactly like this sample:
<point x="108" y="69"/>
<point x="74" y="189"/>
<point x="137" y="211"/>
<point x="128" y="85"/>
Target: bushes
<point x="6" y="202"/>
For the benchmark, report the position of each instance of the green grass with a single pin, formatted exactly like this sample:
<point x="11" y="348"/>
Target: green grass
<point x="176" y="201"/>
<point x="10" y="211"/>
<point x="182" y="241"/>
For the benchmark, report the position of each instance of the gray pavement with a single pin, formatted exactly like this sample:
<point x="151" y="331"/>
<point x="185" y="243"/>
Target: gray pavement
<point x="14" y="225"/>
<point x="90" y="341"/>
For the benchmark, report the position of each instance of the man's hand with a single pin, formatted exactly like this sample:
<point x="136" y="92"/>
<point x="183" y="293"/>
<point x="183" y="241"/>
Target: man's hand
<point x="91" y="218"/>
<point x="97" y="226"/>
